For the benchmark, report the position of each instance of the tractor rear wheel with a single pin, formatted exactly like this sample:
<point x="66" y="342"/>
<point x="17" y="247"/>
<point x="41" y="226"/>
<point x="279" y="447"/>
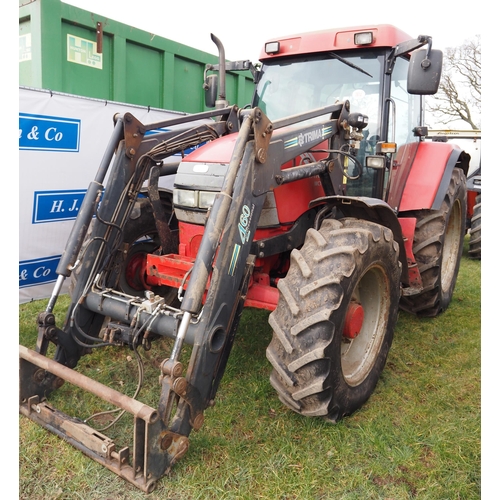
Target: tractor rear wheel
<point x="334" y="322"/>
<point x="475" y="231"/>
<point x="437" y="247"/>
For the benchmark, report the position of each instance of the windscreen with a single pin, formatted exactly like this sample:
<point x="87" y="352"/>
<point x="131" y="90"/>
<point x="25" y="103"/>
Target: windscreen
<point x="293" y="86"/>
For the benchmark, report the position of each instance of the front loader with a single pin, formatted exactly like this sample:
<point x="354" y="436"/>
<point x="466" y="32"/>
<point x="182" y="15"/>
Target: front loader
<point x="301" y="204"/>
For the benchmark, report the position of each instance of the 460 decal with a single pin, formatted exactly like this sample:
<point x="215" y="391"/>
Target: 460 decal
<point x="244" y="223"/>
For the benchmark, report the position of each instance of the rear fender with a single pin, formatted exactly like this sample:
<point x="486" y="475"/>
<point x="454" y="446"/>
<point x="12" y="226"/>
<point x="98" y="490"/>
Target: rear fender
<point x="429" y="175"/>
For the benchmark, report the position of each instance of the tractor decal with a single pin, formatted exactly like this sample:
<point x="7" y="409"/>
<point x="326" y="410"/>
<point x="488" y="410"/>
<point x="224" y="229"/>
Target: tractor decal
<point x="234" y="259"/>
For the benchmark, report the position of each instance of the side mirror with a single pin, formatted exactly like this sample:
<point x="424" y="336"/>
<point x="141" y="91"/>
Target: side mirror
<point x="424" y="72"/>
<point x="210" y="86"/>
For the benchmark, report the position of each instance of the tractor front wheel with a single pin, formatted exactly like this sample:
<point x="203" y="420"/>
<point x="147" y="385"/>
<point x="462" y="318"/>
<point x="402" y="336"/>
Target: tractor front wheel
<point x="334" y="322"/>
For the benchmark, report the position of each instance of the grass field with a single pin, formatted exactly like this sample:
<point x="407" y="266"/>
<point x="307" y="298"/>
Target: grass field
<point x="418" y="437"/>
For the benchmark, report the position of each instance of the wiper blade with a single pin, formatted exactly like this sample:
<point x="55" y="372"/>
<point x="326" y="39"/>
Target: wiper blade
<point x="349" y="63"/>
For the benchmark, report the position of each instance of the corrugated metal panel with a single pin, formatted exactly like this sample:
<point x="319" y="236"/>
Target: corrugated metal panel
<point x="144" y="75"/>
<point x="58" y="51"/>
<point x="188" y="85"/>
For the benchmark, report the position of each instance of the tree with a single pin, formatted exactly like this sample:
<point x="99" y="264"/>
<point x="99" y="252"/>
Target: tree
<point x="459" y="94"/>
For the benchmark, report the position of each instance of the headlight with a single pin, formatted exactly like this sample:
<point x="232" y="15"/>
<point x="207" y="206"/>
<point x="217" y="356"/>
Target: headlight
<point x="185" y="198"/>
<point x="365" y="38"/>
<point x="194" y="199"/>
<point x="272" y="47"/>
<point x="206" y="198"/>
<point x="377" y="162"/>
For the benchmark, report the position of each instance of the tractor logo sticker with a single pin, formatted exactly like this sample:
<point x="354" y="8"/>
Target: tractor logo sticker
<point x="307" y="137"/>
<point x="243" y="230"/>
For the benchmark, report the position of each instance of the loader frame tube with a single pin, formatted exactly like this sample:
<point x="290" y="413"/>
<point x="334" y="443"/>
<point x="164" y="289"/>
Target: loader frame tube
<point x="203" y="265"/>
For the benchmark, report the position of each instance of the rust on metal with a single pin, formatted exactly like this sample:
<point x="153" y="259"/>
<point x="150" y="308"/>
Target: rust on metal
<point x="116" y="398"/>
<point x="178" y="445"/>
<point x="99" y="37"/>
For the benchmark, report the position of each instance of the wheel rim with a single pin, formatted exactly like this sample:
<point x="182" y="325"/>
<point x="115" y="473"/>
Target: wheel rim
<point x="133" y="277"/>
<point x="451" y="246"/>
<point x="359" y="355"/>
<point x="135" y="271"/>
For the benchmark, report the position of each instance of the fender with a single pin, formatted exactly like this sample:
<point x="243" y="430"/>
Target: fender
<point x="428" y="173"/>
<point x="375" y="210"/>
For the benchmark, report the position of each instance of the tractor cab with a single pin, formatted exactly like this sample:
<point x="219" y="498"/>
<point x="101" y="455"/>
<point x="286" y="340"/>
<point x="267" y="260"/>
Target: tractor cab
<point x="361" y="66"/>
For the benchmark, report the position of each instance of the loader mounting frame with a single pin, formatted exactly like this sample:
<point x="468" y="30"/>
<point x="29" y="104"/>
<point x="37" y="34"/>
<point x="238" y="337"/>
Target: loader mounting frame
<point x="213" y="300"/>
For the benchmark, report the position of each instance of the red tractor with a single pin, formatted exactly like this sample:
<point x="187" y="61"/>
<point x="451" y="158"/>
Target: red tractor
<point x="322" y="202"/>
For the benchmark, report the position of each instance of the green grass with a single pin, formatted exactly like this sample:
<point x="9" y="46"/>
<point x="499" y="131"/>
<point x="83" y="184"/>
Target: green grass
<point x="418" y="437"/>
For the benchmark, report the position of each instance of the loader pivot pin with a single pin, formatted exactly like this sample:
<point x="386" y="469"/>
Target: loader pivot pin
<point x="353" y="320"/>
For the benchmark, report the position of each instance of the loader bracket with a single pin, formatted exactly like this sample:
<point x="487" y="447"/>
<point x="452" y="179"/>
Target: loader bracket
<point x="175" y="386"/>
<point x="263" y="129"/>
<point x="134" y="132"/>
<point x="49" y="332"/>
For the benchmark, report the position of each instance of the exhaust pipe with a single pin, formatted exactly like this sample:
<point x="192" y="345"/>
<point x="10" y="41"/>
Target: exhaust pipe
<point x="222" y="102"/>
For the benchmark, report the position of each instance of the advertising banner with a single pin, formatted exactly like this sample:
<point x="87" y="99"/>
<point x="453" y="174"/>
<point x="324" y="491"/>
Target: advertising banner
<point x="62" y="139"/>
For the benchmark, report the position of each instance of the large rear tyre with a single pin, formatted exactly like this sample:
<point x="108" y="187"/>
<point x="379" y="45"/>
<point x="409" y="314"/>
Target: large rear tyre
<point x="475" y="230"/>
<point x="437" y="247"/>
<point x="334" y="322"/>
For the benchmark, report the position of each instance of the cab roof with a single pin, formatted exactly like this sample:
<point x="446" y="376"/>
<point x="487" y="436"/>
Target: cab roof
<point x="384" y="35"/>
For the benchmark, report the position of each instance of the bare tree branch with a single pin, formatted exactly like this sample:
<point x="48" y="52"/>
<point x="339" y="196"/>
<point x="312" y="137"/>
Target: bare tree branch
<point x="459" y="95"/>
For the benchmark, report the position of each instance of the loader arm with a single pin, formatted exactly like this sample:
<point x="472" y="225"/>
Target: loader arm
<point x="211" y="306"/>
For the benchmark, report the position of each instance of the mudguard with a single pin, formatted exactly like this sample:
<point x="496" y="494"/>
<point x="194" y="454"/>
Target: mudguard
<point x="422" y="173"/>
<point x="375" y="210"/>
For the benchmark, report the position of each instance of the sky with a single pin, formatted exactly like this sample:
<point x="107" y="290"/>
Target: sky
<point x="243" y="28"/>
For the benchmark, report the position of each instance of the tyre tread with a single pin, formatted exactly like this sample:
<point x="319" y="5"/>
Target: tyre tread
<point x="303" y="338"/>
